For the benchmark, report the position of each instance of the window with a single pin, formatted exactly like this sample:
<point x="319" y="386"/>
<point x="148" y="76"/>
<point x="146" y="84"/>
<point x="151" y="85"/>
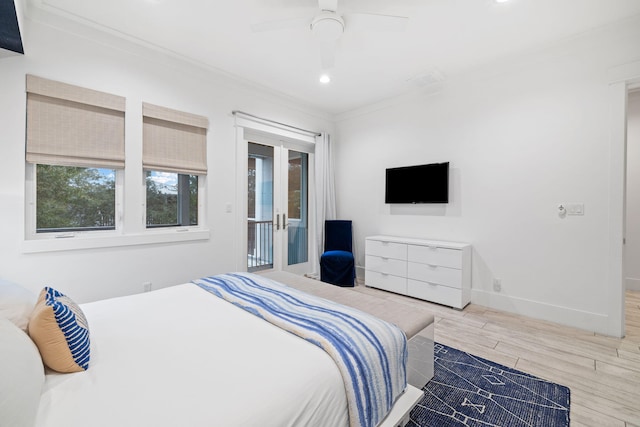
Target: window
<point x="74" y="152"/>
<point x="72" y="198"/>
<point x="174" y="158"/>
<point x="172" y="199"/>
<point x="75" y="171"/>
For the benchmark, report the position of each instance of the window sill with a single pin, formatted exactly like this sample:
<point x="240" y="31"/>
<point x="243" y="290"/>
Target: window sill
<point x="79" y="241"/>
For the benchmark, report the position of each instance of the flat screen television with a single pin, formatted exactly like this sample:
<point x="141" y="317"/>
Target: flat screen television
<point x="418" y="184"/>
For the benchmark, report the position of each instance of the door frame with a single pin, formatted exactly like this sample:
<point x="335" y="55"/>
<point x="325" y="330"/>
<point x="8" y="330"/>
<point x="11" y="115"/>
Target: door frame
<point x="621" y="79"/>
<point x="252" y="131"/>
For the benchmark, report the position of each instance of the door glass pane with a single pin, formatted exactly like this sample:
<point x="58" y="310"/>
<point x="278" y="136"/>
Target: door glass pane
<point x="298" y="230"/>
<point x="260" y="207"/>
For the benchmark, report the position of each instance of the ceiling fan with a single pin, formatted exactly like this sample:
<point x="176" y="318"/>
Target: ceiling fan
<point x="327" y="26"/>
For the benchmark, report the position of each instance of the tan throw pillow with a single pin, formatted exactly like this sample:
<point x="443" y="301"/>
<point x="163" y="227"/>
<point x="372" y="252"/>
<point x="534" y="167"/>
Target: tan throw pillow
<point x="61" y="332"/>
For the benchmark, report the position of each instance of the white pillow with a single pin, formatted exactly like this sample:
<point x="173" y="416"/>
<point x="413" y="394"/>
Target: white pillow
<point x="22" y="374"/>
<point x="16" y="303"/>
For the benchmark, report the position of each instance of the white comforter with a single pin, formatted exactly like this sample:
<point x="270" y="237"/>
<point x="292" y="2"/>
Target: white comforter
<point x="182" y="357"/>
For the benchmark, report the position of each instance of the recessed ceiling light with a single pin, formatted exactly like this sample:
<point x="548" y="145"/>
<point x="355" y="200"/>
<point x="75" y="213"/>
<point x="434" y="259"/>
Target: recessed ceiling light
<point x="501" y="1"/>
<point x="324" y="79"/>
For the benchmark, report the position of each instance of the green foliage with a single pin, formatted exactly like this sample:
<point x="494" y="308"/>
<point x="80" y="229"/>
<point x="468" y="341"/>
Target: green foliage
<point x="193" y="199"/>
<point x="74" y="198"/>
<point x="162" y="203"/>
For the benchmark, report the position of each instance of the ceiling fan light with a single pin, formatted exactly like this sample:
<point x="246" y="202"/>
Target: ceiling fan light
<point x="327" y="26"/>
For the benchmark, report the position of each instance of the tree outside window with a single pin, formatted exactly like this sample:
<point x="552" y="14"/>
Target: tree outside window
<point x="74" y="198"/>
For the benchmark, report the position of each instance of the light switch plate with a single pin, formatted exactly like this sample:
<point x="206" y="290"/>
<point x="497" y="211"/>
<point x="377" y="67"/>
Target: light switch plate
<point x="575" y="209"/>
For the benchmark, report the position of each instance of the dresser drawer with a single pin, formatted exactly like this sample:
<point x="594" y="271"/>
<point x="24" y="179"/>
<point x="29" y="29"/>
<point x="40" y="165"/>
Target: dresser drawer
<point x="387" y="282"/>
<point x="386" y="249"/>
<point x="434" y="255"/>
<point x="450" y="277"/>
<point x="380" y="264"/>
<point x="431" y="270"/>
<point x="434" y="292"/>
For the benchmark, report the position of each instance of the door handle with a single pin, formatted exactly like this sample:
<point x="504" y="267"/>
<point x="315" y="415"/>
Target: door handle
<point x="277" y="222"/>
<point x="284" y="221"/>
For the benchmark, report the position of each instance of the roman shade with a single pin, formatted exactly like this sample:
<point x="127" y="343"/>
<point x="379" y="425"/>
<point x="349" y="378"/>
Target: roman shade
<point x="73" y="126"/>
<point x="174" y="141"/>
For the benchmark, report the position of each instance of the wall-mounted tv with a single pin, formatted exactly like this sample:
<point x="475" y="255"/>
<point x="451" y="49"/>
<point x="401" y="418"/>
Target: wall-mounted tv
<point x="418" y="184"/>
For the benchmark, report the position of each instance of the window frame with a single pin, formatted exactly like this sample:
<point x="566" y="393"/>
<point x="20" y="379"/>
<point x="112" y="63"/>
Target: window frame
<point x="43" y="230"/>
<point x="123" y="235"/>
<point x="201" y="208"/>
<point x="128" y="198"/>
<point x="31" y="211"/>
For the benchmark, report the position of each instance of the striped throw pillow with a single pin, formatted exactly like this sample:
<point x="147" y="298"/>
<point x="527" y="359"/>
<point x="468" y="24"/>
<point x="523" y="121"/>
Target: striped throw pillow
<point x="61" y="332"/>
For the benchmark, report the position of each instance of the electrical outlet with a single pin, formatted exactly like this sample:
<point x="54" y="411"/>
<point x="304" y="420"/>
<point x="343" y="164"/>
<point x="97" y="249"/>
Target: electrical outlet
<point x="146" y="286"/>
<point x="497" y="285"/>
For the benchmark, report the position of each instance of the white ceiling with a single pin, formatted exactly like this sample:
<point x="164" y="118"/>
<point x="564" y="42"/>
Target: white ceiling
<point x="449" y="36"/>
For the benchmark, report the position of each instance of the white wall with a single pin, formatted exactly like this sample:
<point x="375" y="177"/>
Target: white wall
<point x="85" y="57"/>
<point x="522" y="135"/>
<point x="632" y="234"/>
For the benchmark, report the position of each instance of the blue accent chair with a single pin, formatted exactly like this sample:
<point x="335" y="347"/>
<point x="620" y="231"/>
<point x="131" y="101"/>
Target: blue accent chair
<point x="337" y="264"/>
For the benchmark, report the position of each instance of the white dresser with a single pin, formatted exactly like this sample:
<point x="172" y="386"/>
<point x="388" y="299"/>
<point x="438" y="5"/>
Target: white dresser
<point x="431" y="270"/>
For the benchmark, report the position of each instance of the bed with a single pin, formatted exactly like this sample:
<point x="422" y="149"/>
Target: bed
<point x="181" y="356"/>
<point x="416" y="323"/>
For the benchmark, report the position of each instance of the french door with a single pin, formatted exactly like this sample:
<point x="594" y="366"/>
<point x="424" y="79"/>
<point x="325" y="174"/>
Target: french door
<point x="278" y="221"/>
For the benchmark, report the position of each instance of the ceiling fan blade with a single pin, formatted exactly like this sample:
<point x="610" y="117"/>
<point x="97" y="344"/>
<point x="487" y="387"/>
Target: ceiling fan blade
<point x="374" y="22"/>
<point x="280" y="24"/>
<point x="327" y="54"/>
<point x="331" y="5"/>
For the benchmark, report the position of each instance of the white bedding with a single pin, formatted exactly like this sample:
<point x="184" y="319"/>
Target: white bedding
<point x="181" y="356"/>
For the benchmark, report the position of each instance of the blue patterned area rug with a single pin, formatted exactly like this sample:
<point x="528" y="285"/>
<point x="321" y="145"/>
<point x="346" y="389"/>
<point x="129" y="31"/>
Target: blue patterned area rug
<point x="470" y="391"/>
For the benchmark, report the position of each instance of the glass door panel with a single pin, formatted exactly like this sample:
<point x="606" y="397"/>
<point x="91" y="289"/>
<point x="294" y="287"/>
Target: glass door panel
<point x="260" y="207"/>
<point x="278" y="208"/>
<point x="297" y="208"/>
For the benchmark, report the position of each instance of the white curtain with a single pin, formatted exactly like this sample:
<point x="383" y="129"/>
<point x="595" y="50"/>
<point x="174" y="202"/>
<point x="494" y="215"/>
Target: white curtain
<point x="325" y="189"/>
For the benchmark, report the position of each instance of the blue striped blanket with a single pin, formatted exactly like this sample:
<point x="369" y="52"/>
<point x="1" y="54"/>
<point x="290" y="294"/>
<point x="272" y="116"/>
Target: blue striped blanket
<point x="370" y="353"/>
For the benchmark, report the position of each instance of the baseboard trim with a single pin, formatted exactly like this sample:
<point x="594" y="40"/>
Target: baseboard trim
<point x="632" y="284"/>
<point x="592" y="322"/>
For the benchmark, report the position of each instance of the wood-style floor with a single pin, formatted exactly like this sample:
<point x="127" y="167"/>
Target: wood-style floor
<point x="602" y="372"/>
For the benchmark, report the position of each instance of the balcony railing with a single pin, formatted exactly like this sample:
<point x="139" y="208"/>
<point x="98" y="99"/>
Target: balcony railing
<point x="259" y="245"/>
